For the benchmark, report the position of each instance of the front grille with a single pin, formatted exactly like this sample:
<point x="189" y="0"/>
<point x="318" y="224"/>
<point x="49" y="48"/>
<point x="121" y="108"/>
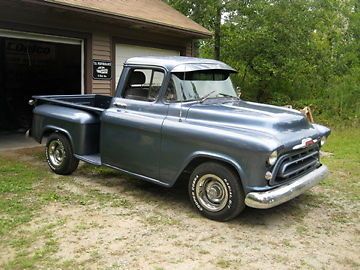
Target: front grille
<point x="294" y="164"/>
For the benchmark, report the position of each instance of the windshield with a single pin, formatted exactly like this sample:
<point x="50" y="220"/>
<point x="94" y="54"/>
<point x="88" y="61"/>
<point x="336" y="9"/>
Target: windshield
<point x="198" y="85"/>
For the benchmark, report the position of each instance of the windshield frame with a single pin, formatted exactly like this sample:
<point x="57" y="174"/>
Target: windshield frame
<point x="201" y="99"/>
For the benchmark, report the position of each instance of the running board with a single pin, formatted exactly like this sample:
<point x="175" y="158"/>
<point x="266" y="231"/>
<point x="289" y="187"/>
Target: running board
<point x="92" y="159"/>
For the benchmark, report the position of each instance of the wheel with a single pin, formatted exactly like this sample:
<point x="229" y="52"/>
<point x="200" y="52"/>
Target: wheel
<point x="215" y="190"/>
<point x="59" y="154"/>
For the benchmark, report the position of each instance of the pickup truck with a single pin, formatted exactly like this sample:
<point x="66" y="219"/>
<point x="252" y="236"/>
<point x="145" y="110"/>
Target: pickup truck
<point x="180" y="118"/>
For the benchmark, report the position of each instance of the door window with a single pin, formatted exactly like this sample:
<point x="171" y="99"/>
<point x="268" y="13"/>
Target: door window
<point x="144" y="84"/>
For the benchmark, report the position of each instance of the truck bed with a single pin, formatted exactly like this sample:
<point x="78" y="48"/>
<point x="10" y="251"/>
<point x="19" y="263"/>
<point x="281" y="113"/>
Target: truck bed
<point x="93" y="103"/>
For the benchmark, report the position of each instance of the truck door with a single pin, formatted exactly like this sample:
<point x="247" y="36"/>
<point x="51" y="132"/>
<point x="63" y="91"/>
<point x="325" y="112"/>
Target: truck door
<point x="131" y="129"/>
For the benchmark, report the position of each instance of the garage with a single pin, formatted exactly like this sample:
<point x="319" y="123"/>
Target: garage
<point x="70" y="47"/>
<point x="35" y="65"/>
<point x="125" y="51"/>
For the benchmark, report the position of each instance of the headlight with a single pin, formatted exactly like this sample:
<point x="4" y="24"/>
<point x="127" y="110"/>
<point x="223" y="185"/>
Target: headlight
<point x="273" y="157"/>
<point x="323" y="140"/>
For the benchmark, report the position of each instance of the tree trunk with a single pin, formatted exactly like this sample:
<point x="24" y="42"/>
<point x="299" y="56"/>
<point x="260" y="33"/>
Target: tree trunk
<point x="217" y="34"/>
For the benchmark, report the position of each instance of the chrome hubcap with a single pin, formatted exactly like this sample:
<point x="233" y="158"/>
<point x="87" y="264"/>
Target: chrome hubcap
<point x="211" y="192"/>
<point x="56" y="152"/>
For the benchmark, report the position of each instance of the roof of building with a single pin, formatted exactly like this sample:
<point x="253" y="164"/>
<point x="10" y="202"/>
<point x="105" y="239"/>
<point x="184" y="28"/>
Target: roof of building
<point x="180" y="63"/>
<point x="149" y="11"/>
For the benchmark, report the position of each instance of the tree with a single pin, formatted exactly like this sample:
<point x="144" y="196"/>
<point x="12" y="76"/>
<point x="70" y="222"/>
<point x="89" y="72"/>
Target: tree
<point x="303" y="52"/>
<point x="207" y="13"/>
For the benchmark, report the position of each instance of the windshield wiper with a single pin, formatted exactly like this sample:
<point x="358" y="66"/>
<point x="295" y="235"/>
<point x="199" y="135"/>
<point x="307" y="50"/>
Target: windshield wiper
<point x="226" y="95"/>
<point x="206" y="96"/>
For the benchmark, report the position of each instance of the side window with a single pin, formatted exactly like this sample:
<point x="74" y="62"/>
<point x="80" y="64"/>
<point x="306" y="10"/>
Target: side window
<point x="144" y="84"/>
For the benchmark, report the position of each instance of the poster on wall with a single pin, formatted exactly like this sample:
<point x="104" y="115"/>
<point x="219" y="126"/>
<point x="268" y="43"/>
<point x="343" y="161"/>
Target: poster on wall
<point x="101" y="70"/>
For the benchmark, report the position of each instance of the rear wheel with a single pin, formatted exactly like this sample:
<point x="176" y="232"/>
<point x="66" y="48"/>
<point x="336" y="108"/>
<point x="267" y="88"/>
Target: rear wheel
<point x="215" y="190"/>
<point x="59" y="154"/>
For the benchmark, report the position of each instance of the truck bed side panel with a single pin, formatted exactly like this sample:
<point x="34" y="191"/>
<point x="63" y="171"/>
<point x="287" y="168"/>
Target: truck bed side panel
<point x="83" y="128"/>
<point x="90" y="103"/>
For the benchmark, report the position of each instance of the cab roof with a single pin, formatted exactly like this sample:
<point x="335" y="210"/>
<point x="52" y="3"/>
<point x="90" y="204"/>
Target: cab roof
<point x="179" y="63"/>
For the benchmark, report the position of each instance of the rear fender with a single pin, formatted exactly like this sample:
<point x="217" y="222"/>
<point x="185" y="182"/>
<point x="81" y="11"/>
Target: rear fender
<point x="81" y="127"/>
<point x="54" y="129"/>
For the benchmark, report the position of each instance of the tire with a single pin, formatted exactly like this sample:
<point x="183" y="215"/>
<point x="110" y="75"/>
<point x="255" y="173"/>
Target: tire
<point x="59" y="155"/>
<point x="216" y="192"/>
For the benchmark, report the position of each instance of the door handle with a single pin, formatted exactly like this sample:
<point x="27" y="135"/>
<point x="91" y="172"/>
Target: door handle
<point x="120" y="104"/>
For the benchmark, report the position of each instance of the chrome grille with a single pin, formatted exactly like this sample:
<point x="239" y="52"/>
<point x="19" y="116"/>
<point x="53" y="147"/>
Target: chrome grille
<point x="295" y="163"/>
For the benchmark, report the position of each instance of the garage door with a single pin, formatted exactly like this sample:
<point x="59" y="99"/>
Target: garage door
<point x="124" y="52"/>
<point x="34" y="64"/>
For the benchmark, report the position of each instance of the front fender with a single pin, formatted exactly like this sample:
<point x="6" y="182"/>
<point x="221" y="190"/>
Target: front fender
<point x="212" y="156"/>
<point x="245" y="150"/>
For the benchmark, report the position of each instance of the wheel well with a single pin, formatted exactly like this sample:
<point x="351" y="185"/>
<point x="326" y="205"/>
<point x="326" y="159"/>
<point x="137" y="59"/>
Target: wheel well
<point x="199" y="160"/>
<point x="49" y="131"/>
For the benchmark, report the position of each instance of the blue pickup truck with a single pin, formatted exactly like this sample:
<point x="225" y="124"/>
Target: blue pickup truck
<point x="180" y="118"/>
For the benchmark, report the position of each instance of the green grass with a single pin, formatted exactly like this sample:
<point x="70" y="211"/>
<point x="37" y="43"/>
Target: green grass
<point x="158" y="218"/>
<point x="17" y="206"/>
<point x="344" y="163"/>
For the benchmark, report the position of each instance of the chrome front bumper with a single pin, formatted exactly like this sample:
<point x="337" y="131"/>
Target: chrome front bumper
<point x="286" y="192"/>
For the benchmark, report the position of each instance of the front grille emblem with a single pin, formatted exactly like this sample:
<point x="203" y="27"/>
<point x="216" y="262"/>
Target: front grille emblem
<point x="305" y="143"/>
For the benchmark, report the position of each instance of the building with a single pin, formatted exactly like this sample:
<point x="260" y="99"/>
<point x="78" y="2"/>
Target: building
<point x="79" y="47"/>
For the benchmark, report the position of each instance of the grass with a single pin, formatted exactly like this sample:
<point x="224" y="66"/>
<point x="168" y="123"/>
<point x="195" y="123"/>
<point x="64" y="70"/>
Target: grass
<point x="26" y="188"/>
<point x="222" y="263"/>
<point x="158" y="218"/>
<point x="17" y="206"/>
<point x="344" y="163"/>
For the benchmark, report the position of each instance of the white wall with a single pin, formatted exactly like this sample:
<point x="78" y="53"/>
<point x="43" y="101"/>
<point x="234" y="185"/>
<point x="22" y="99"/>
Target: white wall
<point x="124" y="52"/>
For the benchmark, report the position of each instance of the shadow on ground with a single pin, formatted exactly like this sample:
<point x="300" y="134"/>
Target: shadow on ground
<point x="178" y="197"/>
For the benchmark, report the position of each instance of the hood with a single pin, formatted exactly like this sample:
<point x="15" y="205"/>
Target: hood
<point x="287" y="126"/>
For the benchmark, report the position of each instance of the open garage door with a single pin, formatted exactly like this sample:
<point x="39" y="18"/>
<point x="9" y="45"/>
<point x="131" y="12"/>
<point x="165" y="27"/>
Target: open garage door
<point x="125" y="51"/>
<point x="35" y="65"/>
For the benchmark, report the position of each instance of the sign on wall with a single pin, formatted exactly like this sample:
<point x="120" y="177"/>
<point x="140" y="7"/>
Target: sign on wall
<point x="23" y="52"/>
<point x="101" y="70"/>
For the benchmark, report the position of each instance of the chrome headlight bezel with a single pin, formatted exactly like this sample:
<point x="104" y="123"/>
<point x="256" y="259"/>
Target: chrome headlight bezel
<point x="272" y="158"/>
<point x="322" y="140"/>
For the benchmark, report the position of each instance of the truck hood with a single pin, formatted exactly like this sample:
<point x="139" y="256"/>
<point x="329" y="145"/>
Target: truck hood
<point x="287" y="126"/>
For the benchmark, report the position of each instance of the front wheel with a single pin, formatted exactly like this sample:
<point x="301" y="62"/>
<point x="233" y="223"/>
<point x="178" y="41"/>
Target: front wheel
<point x="215" y="190"/>
<point x="59" y="154"/>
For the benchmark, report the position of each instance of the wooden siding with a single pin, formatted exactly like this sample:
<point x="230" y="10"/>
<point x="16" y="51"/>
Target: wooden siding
<point x="101" y="50"/>
<point x="189" y="49"/>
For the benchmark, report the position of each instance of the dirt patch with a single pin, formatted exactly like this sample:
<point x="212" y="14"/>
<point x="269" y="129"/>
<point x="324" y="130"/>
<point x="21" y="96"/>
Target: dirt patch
<point x="158" y="229"/>
<point x="150" y="236"/>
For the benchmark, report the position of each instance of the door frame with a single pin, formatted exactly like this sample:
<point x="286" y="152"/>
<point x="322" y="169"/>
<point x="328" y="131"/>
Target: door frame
<point x="53" y="39"/>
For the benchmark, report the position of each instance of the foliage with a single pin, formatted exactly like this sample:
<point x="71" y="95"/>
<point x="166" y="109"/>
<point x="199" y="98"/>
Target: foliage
<point x="302" y="52"/>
